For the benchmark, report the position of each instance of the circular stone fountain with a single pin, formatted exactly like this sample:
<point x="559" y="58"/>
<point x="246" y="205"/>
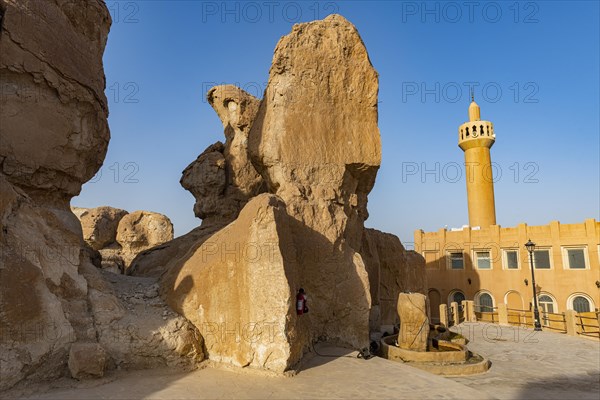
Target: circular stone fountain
<point x="421" y="345"/>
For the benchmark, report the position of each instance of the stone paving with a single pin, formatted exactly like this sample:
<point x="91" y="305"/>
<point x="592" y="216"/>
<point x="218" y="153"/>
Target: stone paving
<point x="533" y="365"/>
<point x="525" y="365"/>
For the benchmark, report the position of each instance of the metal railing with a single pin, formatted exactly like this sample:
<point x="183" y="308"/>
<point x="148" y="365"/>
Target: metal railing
<point x="518" y="317"/>
<point x="592" y="327"/>
<point x="570" y="322"/>
<point x="554" y="321"/>
<point x="486" y="313"/>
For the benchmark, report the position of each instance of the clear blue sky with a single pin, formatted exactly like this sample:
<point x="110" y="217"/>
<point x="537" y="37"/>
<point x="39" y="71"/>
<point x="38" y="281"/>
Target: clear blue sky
<point x="535" y="66"/>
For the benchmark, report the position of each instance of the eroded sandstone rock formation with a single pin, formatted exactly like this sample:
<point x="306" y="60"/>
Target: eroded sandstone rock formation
<point x="237" y="285"/>
<point x="99" y="225"/>
<point x="120" y="236"/>
<point x="313" y="144"/>
<point x="54" y="135"/>
<point x="222" y="179"/>
<point x="141" y="230"/>
<point x="392" y="270"/>
<point x="283" y="202"/>
<point x="316" y="142"/>
<point x="52" y="78"/>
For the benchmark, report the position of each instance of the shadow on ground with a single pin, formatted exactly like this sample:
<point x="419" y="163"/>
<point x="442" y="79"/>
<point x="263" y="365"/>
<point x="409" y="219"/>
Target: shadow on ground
<point x="568" y="387"/>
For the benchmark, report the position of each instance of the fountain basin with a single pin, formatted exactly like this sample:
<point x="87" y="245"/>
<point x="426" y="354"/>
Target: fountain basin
<point x="448" y="352"/>
<point x="451" y="359"/>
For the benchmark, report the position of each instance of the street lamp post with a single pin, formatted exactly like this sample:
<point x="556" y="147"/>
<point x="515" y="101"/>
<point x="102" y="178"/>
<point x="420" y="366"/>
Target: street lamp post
<point x="530" y="246"/>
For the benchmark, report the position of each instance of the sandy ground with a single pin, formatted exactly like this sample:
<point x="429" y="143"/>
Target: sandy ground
<point x="341" y="377"/>
<point x="525" y="365"/>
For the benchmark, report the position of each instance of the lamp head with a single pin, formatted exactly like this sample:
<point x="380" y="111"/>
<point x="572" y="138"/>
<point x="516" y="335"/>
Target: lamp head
<point x="530" y="246"/>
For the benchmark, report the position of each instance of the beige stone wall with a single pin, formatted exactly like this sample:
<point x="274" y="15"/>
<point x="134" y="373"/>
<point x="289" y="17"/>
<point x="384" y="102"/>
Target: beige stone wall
<point x="508" y="285"/>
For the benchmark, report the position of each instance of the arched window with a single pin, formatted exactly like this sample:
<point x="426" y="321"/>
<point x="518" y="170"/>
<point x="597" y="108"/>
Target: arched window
<point x="547" y="302"/>
<point x="547" y="306"/>
<point x="581" y="304"/>
<point x="456" y="296"/>
<point x="485" y="302"/>
<point x="459" y="297"/>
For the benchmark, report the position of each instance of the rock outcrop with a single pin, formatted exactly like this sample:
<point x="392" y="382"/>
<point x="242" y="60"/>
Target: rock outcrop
<point x="119" y="236"/>
<point x="316" y="143"/>
<point x="141" y="230"/>
<point x="99" y="225"/>
<point x="54" y="126"/>
<point x="392" y="270"/>
<point x="238" y="286"/>
<point x="222" y="179"/>
<point x="314" y="140"/>
<point x="283" y="203"/>
<point x="87" y="360"/>
<point x="53" y="116"/>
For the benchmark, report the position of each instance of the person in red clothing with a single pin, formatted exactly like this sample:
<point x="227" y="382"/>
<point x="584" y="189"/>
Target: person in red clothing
<point x="301" y="307"/>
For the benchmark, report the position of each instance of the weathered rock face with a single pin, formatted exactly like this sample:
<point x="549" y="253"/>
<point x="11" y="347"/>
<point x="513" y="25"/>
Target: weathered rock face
<point x="54" y="127"/>
<point x="99" y="225"/>
<point x="392" y="270"/>
<point x="136" y="327"/>
<point x="87" y="360"/>
<point x="142" y="230"/>
<point x="316" y="142"/>
<point x="205" y="178"/>
<point x="156" y="260"/>
<point x="237" y="288"/>
<point x="41" y="251"/>
<point x="54" y="136"/>
<point x="222" y="179"/>
<point x="69" y="301"/>
<point x="414" y="324"/>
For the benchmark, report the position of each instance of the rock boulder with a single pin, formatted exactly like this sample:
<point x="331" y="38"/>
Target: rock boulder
<point x="87" y="360"/>
<point x="316" y="143"/>
<point x="392" y="270"/>
<point x="237" y="288"/>
<point x="54" y="112"/>
<point x="99" y="225"/>
<point x="222" y="179"/>
<point x="141" y="230"/>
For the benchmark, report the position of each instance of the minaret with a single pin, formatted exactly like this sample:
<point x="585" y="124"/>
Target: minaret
<point x="475" y="138"/>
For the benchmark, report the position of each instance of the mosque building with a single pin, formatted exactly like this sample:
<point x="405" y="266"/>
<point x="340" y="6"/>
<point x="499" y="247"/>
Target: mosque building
<point x="489" y="264"/>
